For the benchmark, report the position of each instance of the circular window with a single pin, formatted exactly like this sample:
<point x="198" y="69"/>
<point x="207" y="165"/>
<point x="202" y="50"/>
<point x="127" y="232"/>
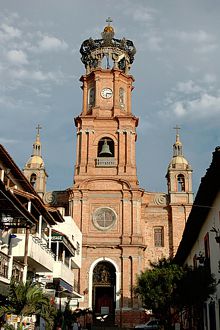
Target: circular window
<point x="104" y="218"/>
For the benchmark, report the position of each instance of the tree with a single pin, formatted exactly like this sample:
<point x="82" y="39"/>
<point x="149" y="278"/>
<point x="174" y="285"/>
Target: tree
<point x="169" y="287"/>
<point x="194" y="288"/>
<point x="26" y="299"/>
<point x="156" y="288"/>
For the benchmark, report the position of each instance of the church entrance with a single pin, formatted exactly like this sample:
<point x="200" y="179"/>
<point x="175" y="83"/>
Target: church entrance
<point x="104" y="281"/>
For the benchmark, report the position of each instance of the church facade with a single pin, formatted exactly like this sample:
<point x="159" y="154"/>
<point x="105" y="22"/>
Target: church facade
<point x="124" y="227"/>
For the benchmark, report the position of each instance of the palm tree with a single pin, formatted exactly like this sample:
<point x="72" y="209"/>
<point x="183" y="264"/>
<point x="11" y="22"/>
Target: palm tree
<point x="26" y="299"/>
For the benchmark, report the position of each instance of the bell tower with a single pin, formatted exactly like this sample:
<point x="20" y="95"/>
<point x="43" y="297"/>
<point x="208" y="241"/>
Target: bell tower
<point x="106" y="128"/>
<point x="179" y="181"/>
<point x="34" y="169"/>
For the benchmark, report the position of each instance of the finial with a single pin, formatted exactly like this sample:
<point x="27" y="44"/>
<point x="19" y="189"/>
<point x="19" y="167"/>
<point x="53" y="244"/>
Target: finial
<point x="109" y="20"/>
<point x="177" y="129"/>
<point x="177" y="147"/>
<point x="38" y="129"/>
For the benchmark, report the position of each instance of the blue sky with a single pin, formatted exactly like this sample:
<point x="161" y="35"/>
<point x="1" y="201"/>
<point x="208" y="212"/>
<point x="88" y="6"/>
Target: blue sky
<point x="176" y="71"/>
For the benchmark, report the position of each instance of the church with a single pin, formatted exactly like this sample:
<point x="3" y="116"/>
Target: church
<point x="123" y="226"/>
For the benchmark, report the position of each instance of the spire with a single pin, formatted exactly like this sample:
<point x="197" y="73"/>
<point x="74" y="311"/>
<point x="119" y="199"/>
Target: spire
<point x="177" y="147"/>
<point x="37" y="143"/>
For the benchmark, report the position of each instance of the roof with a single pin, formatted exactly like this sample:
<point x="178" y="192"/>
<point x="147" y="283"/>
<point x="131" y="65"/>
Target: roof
<point x="13" y="201"/>
<point x="207" y="192"/>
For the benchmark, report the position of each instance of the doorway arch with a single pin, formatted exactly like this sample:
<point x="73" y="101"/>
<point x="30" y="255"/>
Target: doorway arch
<point x="101" y="268"/>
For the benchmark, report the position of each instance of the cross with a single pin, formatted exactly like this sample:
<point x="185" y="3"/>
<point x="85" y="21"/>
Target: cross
<point x="38" y="129"/>
<point x="177" y="129"/>
<point x="109" y="20"/>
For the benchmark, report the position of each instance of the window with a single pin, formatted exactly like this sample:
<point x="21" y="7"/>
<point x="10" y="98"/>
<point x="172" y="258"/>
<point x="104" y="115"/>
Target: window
<point x="158" y="237"/>
<point x="181" y="182"/>
<point x="104" y="218"/>
<point x="33" y="179"/>
<point x="121" y="97"/>
<point x="91" y="96"/>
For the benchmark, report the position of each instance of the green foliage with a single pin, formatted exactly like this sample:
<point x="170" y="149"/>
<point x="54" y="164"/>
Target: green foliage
<point x="167" y="285"/>
<point x="26" y="299"/>
<point x="195" y="286"/>
<point x="156" y="286"/>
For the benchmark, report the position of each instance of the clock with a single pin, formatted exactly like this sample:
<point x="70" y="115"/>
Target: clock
<point x="106" y="93"/>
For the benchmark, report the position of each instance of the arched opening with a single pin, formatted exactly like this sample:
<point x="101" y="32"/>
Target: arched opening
<point x="106" y="147"/>
<point x="107" y="62"/>
<point x="33" y="179"/>
<point x="122" y="97"/>
<point x="181" y="182"/>
<point x="91" y="96"/>
<point x="104" y="288"/>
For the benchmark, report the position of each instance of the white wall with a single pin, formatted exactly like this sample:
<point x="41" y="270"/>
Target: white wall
<point x="213" y="220"/>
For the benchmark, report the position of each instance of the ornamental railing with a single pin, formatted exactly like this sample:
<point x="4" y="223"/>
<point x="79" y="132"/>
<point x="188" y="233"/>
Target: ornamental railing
<point x="17" y="271"/>
<point x="105" y="162"/>
<point x="4" y="261"/>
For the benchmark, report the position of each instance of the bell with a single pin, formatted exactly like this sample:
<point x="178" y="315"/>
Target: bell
<point x="105" y="149"/>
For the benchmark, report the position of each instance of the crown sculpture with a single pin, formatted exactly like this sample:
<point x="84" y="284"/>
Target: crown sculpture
<point x="120" y="51"/>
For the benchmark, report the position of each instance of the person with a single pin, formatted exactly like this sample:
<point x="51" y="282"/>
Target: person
<point x="75" y="325"/>
<point x="79" y="325"/>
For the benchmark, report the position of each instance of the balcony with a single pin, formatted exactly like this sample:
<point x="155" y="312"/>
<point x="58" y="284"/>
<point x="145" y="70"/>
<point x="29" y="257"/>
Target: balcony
<point x="39" y="256"/>
<point x="105" y="162"/>
<point x="63" y="272"/>
<point x="4" y="262"/>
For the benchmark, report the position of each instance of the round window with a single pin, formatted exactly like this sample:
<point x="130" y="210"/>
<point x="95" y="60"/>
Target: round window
<point x="104" y="218"/>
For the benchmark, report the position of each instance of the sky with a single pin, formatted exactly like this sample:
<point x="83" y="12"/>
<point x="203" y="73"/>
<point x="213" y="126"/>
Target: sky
<point x="176" y="71"/>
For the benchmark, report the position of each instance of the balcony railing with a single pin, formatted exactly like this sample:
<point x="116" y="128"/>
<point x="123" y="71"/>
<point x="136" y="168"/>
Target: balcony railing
<point x="38" y="252"/>
<point x="17" y="271"/>
<point x="4" y="261"/>
<point x="105" y="162"/>
<point x="61" y="271"/>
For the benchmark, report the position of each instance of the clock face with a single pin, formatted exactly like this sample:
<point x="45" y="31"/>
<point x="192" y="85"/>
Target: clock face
<point x="106" y="93"/>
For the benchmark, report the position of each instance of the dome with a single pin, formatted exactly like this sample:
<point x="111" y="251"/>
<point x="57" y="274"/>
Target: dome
<point x="108" y="29"/>
<point x="35" y="160"/>
<point x="178" y="160"/>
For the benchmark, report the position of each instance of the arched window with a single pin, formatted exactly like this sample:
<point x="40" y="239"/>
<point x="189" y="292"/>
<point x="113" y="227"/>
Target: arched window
<point x="91" y="96"/>
<point x="33" y="179"/>
<point x="181" y="182"/>
<point x="121" y="97"/>
<point x="107" y="62"/>
<point x="106" y="147"/>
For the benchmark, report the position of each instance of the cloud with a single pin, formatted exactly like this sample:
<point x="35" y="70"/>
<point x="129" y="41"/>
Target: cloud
<point x="195" y="36"/>
<point x="17" y="57"/>
<point x="52" y="44"/>
<point x="8" y="32"/>
<point x="203" y="107"/>
<point x="154" y="43"/>
<point x="209" y="78"/>
<point x="188" y="87"/>
<point x="8" y="141"/>
<point x="206" y="48"/>
<point x="37" y="75"/>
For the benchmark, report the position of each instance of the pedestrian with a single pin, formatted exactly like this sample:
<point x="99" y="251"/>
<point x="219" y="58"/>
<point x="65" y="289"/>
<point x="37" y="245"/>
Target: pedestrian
<point x="75" y="326"/>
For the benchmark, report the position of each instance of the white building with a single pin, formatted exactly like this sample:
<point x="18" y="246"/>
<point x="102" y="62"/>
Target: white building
<point x="201" y="237"/>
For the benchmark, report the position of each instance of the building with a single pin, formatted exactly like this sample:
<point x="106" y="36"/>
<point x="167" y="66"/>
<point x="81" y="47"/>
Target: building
<point x="123" y="226"/>
<point x="30" y="245"/>
<point x="201" y="238"/>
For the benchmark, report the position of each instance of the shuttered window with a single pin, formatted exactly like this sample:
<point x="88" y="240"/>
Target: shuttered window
<point x="158" y="236"/>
